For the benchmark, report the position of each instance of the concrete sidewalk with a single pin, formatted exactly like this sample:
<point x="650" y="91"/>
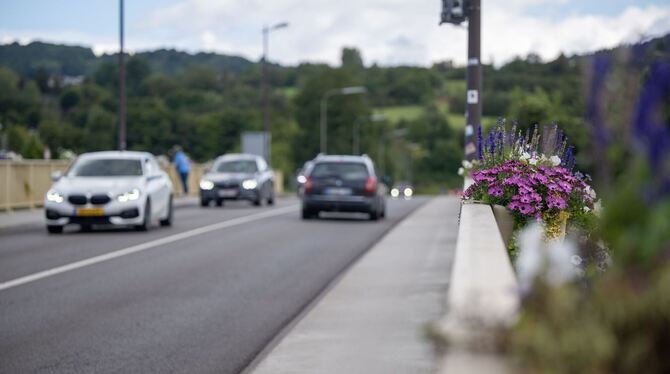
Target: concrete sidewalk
<point x="22" y="217"/>
<point x="373" y="320"/>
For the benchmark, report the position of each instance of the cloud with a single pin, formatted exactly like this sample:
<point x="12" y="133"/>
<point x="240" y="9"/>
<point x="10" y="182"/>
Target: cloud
<point x="399" y="31"/>
<point x="387" y="32"/>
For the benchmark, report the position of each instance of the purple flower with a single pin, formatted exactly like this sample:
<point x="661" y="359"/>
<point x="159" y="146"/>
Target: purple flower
<point x="526" y="209"/>
<point x="567" y="188"/>
<point x="554" y="201"/>
<point x="526" y="199"/>
<point x="480" y="142"/>
<point x="553" y="187"/>
<point x="496" y="191"/>
<point x="539" y="178"/>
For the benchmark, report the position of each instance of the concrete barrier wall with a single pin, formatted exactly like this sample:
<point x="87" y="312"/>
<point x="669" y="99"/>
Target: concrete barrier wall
<point x="483" y="295"/>
<point x="23" y="184"/>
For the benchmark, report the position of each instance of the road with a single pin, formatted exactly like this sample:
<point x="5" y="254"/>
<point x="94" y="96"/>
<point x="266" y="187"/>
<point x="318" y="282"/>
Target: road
<point x="204" y="296"/>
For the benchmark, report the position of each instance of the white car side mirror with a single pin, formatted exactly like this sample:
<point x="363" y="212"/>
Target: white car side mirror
<point x="56" y="175"/>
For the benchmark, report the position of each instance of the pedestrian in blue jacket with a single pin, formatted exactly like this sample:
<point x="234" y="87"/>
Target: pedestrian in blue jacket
<point x="183" y="167"/>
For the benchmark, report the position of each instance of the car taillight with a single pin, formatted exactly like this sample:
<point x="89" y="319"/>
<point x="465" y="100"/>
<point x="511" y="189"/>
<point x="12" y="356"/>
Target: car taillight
<point x="308" y="185"/>
<point x="371" y="185"/>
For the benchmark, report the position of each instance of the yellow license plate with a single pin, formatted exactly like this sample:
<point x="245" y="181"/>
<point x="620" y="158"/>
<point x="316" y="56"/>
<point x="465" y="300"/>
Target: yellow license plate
<point x="90" y="212"/>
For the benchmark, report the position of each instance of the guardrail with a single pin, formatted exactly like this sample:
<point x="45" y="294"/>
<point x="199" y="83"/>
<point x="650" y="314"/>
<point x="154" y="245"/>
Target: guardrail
<point x="23" y="184"/>
<point x="483" y="294"/>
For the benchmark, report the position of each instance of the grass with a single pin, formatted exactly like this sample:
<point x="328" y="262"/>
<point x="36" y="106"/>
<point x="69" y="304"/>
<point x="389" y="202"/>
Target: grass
<point x="457" y="121"/>
<point x="288" y="92"/>
<point x="399" y="113"/>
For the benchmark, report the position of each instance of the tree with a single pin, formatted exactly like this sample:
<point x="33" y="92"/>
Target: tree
<point x="137" y="69"/>
<point x="352" y="63"/>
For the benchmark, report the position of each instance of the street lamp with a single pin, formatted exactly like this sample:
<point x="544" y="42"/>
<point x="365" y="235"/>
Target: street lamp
<point x="397" y="133"/>
<point x="355" y="136"/>
<point x="265" y="88"/>
<point x="353" y="90"/>
<point x="122" y="84"/>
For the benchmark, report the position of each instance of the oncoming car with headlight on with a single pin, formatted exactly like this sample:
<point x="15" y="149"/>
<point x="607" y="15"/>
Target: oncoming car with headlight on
<point x="110" y="188"/>
<point x="237" y="177"/>
<point x="404" y="190"/>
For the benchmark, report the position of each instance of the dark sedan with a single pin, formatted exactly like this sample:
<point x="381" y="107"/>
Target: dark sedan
<point x="343" y="184"/>
<point x="238" y="177"/>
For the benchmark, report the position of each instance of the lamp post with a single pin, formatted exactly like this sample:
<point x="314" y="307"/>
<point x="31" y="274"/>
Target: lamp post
<point x="353" y="90"/>
<point x="398" y="133"/>
<point x="356" y="130"/>
<point x="265" y="87"/>
<point x="122" y="84"/>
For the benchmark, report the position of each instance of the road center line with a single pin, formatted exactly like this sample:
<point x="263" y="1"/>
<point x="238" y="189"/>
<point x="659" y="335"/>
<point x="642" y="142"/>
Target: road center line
<point x="144" y="246"/>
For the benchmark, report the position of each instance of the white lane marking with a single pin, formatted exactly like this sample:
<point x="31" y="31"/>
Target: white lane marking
<point x="144" y="246"/>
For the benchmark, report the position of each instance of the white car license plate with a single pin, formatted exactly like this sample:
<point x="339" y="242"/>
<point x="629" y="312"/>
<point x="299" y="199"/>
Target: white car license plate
<point x="230" y="192"/>
<point x="338" y="191"/>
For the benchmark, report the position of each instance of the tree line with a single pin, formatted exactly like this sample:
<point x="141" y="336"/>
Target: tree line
<point x="205" y="101"/>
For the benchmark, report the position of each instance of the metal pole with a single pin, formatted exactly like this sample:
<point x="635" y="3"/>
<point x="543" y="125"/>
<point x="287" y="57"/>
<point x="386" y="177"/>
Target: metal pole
<point x="122" y="84"/>
<point x="473" y="114"/>
<point x="355" y="136"/>
<point x="324" y="123"/>
<point x="264" y="96"/>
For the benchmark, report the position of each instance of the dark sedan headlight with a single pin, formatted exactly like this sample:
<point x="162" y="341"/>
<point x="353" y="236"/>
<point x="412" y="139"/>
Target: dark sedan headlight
<point x="249" y="184"/>
<point x="206" y="184"/>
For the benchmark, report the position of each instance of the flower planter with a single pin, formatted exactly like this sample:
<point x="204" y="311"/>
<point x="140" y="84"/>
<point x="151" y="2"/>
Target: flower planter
<point x="505" y="222"/>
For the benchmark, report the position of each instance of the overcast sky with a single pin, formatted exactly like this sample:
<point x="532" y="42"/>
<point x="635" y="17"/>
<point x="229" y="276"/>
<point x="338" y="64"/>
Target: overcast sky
<point x="388" y="32"/>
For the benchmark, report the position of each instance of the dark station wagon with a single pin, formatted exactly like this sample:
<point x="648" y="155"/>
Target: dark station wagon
<point x="343" y="184"/>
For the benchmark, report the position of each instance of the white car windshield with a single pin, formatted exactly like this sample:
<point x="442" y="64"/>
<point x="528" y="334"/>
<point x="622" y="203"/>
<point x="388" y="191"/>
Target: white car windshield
<point x="238" y="166"/>
<point x="107" y="167"/>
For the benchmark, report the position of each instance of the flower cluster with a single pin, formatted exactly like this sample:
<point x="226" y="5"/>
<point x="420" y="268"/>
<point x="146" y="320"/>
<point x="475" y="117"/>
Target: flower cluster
<point x="532" y="190"/>
<point x="548" y="148"/>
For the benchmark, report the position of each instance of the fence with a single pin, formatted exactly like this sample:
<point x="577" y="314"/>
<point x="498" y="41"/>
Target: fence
<point x="23" y="184"/>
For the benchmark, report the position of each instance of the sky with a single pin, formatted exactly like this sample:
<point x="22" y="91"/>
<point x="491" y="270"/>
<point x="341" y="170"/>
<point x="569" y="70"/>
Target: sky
<point x="387" y="32"/>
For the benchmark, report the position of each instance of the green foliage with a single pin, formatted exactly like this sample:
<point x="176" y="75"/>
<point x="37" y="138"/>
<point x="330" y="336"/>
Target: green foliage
<point x="619" y="321"/>
<point x="343" y="110"/>
<point x="205" y="100"/>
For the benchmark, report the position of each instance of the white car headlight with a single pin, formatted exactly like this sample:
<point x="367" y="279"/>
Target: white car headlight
<point x="132" y="195"/>
<point x="395" y="192"/>
<point x="302" y="179"/>
<point x="408" y="192"/>
<point x="54" y="196"/>
<point x="206" y="185"/>
<point x="249" y="184"/>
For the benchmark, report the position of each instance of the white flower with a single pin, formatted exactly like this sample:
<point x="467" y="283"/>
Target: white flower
<point x="587" y="209"/>
<point x="524" y="156"/>
<point x="467" y="164"/>
<point x="533" y="161"/>
<point x="461" y="171"/>
<point x="554" y="261"/>
<point x="576" y="260"/>
<point x="555" y="160"/>
<point x="597" y="208"/>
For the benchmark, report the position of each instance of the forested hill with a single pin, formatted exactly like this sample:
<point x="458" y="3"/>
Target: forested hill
<point x="410" y="118"/>
<point x="31" y="59"/>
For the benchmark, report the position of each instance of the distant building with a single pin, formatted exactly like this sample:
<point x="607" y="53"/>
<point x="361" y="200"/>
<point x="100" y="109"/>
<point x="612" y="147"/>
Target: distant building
<point x="58" y="81"/>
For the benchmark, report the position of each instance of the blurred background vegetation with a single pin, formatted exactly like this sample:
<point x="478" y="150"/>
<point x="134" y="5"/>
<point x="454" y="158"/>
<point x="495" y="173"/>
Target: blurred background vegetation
<point x="65" y="98"/>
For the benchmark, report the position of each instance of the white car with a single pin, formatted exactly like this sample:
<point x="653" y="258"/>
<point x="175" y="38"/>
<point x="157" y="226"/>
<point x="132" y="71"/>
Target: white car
<point x="110" y="188"/>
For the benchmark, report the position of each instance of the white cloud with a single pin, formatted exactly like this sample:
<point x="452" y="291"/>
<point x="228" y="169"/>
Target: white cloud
<point x="386" y="31"/>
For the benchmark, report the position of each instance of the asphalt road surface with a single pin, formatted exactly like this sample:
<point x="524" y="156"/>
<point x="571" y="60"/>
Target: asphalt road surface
<point x="204" y="296"/>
